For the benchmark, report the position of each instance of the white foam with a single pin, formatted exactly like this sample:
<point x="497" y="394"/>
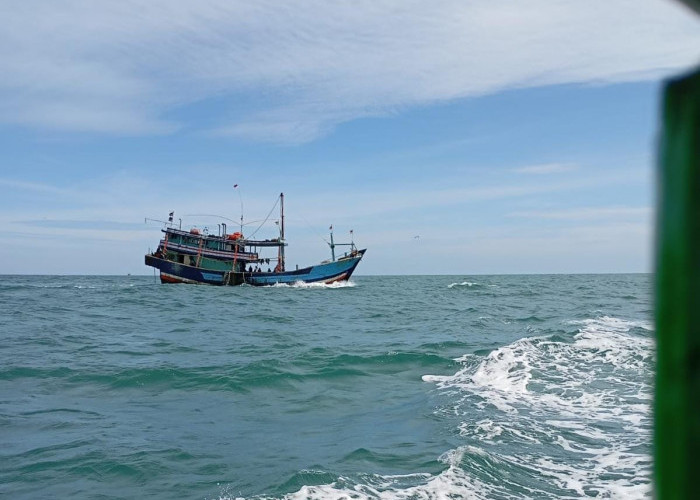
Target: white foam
<point x="463" y="283"/>
<point x="456" y="482"/>
<point x="609" y="323"/>
<point x="590" y="396"/>
<point x="452" y="483"/>
<point x="487" y="428"/>
<point x="562" y="370"/>
<point x="303" y="284"/>
<point x="436" y="378"/>
<point x="469" y="284"/>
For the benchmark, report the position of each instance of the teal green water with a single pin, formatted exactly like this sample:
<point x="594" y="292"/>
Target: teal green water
<point x="420" y="387"/>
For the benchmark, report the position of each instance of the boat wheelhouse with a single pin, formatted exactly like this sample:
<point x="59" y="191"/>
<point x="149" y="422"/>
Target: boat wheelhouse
<point x="196" y="256"/>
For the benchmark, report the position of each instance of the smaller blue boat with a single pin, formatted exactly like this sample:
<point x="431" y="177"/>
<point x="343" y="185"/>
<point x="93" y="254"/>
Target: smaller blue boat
<point x="231" y="259"/>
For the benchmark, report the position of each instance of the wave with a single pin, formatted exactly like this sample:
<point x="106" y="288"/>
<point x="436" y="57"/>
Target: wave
<point x="453" y="482"/>
<point x="543" y="417"/>
<point x="110" y="286"/>
<point x="314" y="365"/>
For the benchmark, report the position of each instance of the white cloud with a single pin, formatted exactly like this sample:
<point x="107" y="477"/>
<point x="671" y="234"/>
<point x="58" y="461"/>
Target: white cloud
<point x="295" y="70"/>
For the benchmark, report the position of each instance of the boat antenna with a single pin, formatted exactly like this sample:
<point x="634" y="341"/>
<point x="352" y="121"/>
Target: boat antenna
<point x="235" y="186"/>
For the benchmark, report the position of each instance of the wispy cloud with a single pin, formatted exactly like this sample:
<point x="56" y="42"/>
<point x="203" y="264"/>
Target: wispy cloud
<point x="101" y="225"/>
<point x="547" y="168"/>
<point x="296" y="69"/>
<point x="32" y="186"/>
<point x="586" y="213"/>
<point x="120" y="203"/>
<point x="615" y="246"/>
<point x="405" y="196"/>
<point x="460" y="221"/>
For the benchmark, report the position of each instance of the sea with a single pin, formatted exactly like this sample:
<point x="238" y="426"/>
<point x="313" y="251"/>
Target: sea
<point x="384" y="387"/>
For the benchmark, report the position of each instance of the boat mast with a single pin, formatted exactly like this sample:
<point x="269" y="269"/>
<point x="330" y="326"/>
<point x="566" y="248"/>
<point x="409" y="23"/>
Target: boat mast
<point x="281" y="247"/>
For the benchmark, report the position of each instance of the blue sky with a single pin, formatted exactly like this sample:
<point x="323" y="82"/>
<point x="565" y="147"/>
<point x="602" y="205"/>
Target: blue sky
<point x="512" y="137"/>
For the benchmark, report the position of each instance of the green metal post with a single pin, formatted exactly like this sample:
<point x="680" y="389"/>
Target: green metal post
<point x="677" y="400"/>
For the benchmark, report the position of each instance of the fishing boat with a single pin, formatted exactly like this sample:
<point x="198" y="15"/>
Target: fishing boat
<point x="196" y="256"/>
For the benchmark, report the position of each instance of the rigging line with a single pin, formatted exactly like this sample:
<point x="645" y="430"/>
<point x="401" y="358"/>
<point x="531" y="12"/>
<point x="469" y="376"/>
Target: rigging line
<point x="251" y="222"/>
<point x="266" y="218"/>
<point x="210" y="215"/>
<point x="221" y="217"/>
<point x="309" y="226"/>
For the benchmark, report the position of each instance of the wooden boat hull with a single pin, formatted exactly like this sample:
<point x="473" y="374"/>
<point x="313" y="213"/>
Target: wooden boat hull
<point x="329" y="272"/>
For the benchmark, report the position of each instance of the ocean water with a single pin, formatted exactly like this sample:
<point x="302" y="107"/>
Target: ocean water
<point x="411" y="387"/>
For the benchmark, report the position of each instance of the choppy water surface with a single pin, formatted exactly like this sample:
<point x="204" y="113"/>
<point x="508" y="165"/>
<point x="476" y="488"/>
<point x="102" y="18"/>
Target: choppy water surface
<point x="485" y="387"/>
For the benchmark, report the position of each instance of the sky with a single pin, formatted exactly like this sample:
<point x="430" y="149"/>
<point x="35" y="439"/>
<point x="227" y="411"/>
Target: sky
<point x="452" y="137"/>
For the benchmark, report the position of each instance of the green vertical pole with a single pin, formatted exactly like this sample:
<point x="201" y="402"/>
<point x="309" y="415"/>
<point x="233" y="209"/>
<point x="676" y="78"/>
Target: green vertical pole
<point x="677" y="400"/>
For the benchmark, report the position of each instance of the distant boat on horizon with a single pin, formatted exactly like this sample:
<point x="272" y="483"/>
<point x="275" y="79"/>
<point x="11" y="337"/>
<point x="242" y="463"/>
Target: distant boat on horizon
<point x="232" y="259"/>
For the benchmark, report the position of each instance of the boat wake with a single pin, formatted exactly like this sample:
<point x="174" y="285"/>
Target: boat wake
<point x="587" y="398"/>
<point x="302" y="284"/>
<point x="543" y="417"/>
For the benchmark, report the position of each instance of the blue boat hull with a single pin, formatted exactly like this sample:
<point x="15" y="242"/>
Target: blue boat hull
<point x="329" y="272"/>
